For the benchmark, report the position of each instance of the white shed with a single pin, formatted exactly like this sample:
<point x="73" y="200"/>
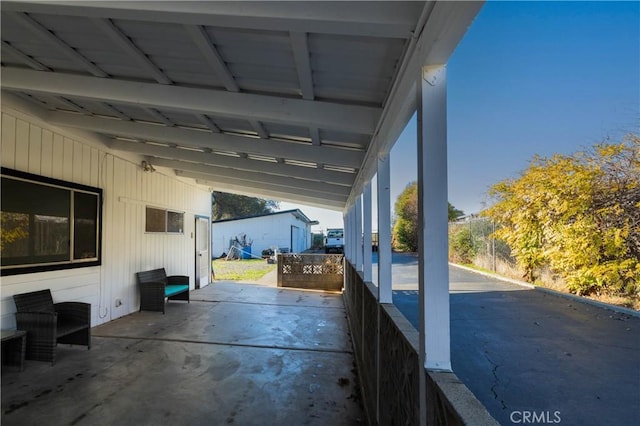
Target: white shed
<point x="289" y="229"/>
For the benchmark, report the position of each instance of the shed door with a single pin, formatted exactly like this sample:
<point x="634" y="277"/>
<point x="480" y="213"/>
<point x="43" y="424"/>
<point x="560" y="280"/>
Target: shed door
<point x="296" y="244"/>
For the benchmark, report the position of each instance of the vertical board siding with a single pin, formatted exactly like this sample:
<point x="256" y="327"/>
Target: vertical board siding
<point x="76" y="158"/>
<point x="95" y="165"/>
<point x="22" y="145"/>
<point x="46" y="167"/>
<point x="76" y="286"/>
<point x="35" y="149"/>
<point x="32" y="146"/>
<point x="57" y="158"/>
<point x="108" y="273"/>
<point x="9" y="135"/>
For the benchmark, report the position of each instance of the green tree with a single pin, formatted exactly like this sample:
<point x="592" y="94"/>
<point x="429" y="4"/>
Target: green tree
<point x="577" y="214"/>
<point x="229" y="206"/>
<point x="454" y="214"/>
<point x="461" y="247"/>
<point x="405" y="230"/>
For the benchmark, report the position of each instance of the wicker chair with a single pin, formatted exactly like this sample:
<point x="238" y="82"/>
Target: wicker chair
<point x="156" y="286"/>
<point x="47" y="323"/>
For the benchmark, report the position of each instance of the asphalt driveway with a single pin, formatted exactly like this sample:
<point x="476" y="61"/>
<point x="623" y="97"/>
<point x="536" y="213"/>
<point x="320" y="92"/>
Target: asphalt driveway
<point x="532" y="357"/>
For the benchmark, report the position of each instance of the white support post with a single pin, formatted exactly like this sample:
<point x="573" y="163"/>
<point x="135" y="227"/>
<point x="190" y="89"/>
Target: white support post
<point x="345" y="234"/>
<point x="384" y="230"/>
<point x="352" y="234"/>
<point x="366" y="230"/>
<point x="433" y="271"/>
<point x="349" y="236"/>
<point x="384" y="256"/>
<point x="358" y="229"/>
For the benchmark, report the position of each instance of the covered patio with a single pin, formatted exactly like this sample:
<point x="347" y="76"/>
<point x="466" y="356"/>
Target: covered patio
<point x="153" y="105"/>
<point x="240" y="354"/>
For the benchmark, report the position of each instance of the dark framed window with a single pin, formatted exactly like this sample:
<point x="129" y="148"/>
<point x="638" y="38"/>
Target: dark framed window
<point x="166" y="221"/>
<point x="156" y="220"/>
<point x="47" y="224"/>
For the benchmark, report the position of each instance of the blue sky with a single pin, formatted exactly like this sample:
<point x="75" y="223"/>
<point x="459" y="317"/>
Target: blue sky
<point x="528" y="78"/>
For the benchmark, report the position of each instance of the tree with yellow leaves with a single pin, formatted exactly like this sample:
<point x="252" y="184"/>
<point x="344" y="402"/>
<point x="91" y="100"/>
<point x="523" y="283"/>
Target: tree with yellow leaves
<point x="579" y="215"/>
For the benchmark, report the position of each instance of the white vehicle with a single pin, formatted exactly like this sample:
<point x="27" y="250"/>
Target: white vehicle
<point x="334" y="241"/>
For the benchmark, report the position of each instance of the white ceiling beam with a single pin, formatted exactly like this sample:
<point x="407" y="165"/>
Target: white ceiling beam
<point x="296" y="112"/>
<point x="259" y="128"/>
<point x="303" y="63"/>
<point x="158" y="116"/>
<point x="204" y="43"/>
<point x="42" y="32"/>
<point x="117" y="36"/>
<point x="26" y="59"/>
<point x="203" y="171"/>
<point x="241" y="188"/>
<point x="115" y="111"/>
<point x="72" y="105"/>
<point x="314" y="132"/>
<point x="266" y="167"/>
<point x="31" y="100"/>
<point x="217" y="141"/>
<point x="285" y="184"/>
<point x="376" y="19"/>
<point x="207" y="121"/>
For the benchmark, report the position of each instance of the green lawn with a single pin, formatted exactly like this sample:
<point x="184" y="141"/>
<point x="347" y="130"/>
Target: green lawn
<point x="241" y="270"/>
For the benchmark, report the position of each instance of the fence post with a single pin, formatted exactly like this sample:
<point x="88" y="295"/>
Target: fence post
<point x="493" y="245"/>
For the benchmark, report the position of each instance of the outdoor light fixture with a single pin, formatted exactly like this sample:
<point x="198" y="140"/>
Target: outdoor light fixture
<point x="147" y="167"/>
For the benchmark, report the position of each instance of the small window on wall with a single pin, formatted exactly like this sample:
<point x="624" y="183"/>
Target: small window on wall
<point x="156" y="220"/>
<point x="161" y="220"/>
<point x="47" y="224"/>
<point x="175" y="222"/>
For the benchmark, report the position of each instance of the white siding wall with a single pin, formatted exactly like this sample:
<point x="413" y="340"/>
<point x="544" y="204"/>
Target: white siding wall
<point x="30" y="145"/>
<point x="265" y="231"/>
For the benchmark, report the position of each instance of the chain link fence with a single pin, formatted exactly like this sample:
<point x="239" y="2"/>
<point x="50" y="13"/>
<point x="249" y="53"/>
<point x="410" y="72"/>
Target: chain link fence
<point x="471" y="241"/>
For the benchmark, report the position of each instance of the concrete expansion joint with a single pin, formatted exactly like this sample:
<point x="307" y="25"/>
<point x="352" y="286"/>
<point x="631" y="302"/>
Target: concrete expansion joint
<point x="228" y="344"/>
<point x="270" y="304"/>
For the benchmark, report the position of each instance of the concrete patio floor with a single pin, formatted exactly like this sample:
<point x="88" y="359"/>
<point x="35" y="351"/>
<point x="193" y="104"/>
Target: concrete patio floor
<point x="237" y="354"/>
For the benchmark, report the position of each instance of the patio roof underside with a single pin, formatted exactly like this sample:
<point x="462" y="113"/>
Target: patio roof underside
<point x="293" y="101"/>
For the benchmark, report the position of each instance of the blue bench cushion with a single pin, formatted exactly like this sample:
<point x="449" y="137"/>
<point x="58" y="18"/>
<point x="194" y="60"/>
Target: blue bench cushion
<point x="172" y="289"/>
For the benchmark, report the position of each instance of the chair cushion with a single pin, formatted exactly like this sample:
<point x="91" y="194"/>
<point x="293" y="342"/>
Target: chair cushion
<point x="170" y="290"/>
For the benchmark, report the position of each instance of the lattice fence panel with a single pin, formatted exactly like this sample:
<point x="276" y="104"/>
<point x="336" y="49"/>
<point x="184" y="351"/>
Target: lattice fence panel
<point x="312" y="271"/>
